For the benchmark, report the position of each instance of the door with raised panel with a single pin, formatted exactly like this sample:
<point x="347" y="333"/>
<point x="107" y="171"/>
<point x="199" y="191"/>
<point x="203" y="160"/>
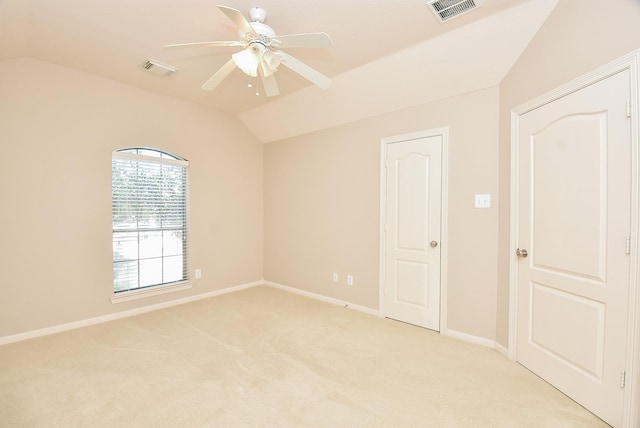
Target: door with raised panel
<point x="411" y="290"/>
<point x="574" y="221"/>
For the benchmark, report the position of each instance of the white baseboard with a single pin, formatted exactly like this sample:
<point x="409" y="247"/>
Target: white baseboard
<point x="502" y="349"/>
<point x="446" y="332"/>
<point x="123" y="314"/>
<point x="470" y="338"/>
<point x="323" y="298"/>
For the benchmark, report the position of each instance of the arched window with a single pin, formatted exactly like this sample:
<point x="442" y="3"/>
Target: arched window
<point x="150" y="210"/>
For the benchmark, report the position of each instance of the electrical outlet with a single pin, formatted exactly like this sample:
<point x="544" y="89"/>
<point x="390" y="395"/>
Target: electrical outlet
<point x="198" y="273"/>
<point x="349" y="279"/>
<point x="335" y="277"/>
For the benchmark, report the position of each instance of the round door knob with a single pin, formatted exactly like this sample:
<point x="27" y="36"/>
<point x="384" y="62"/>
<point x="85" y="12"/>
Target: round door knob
<point x="433" y="244"/>
<point x="522" y="253"/>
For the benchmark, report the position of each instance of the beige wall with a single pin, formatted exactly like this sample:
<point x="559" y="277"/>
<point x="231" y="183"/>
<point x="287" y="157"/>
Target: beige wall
<point x="321" y="212"/>
<point x="57" y="130"/>
<point x="322" y="199"/>
<point x="579" y="36"/>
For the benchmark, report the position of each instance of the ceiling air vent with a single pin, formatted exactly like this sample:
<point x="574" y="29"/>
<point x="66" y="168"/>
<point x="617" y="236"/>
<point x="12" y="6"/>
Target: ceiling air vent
<point x="447" y="9"/>
<point x="156" y="67"/>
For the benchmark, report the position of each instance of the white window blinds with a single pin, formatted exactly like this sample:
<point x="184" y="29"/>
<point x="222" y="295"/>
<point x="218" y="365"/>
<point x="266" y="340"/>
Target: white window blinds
<point x="149" y="217"/>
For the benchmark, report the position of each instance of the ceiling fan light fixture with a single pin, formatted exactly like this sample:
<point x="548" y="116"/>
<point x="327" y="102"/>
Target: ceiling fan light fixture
<point x="260" y="56"/>
<point x="270" y="62"/>
<point x="248" y="59"/>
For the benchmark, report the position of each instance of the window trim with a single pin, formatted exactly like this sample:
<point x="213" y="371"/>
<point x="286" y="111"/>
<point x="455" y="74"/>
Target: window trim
<point x="170" y="287"/>
<point x="156" y="290"/>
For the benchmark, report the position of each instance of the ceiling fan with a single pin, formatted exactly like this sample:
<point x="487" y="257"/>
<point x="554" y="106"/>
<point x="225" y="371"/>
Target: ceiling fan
<point x="261" y="54"/>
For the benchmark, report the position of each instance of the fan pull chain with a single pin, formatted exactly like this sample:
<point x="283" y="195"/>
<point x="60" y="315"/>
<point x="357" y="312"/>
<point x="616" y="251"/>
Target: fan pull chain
<point x="251" y="85"/>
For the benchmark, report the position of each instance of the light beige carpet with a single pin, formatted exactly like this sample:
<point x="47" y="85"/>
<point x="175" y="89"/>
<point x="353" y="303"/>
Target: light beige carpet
<point x="266" y="358"/>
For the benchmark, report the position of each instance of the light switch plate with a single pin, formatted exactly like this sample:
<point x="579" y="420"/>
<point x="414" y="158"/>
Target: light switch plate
<point x="483" y="201"/>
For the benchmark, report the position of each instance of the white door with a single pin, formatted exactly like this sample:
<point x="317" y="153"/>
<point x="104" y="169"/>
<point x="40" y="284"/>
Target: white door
<point x="411" y="289"/>
<point x="574" y="193"/>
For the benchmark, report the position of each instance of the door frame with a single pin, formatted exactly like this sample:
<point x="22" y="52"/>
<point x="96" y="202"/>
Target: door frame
<point x="384" y="143"/>
<point x="631" y="62"/>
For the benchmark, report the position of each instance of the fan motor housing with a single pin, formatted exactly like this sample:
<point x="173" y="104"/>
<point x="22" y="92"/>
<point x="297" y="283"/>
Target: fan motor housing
<point x="263" y="29"/>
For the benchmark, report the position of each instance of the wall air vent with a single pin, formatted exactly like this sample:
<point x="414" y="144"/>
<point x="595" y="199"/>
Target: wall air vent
<point x="447" y="9"/>
<point x="156" y="67"/>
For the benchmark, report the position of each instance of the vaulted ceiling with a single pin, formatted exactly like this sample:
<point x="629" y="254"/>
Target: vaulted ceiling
<point x="387" y="55"/>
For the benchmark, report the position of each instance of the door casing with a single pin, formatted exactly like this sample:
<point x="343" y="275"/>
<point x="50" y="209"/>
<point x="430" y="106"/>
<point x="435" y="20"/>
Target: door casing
<point x="631" y="62"/>
<point x="444" y="133"/>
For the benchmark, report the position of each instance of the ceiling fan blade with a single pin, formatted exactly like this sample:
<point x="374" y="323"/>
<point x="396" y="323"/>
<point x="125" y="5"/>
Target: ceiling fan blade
<point x="237" y="18"/>
<point x="213" y="43"/>
<point x="304" y="40"/>
<point x="220" y="75"/>
<point x="270" y="85"/>
<point x="305" y="71"/>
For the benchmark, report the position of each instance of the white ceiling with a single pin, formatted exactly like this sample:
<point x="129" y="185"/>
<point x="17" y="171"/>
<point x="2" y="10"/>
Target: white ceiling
<point x="113" y="38"/>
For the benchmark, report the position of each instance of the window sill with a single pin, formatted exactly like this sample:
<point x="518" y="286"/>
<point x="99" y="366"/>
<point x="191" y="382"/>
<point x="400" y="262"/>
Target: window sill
<point x="127" y="296"/>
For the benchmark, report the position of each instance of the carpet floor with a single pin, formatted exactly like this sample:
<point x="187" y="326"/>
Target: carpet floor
<point x="263" y="357"/>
